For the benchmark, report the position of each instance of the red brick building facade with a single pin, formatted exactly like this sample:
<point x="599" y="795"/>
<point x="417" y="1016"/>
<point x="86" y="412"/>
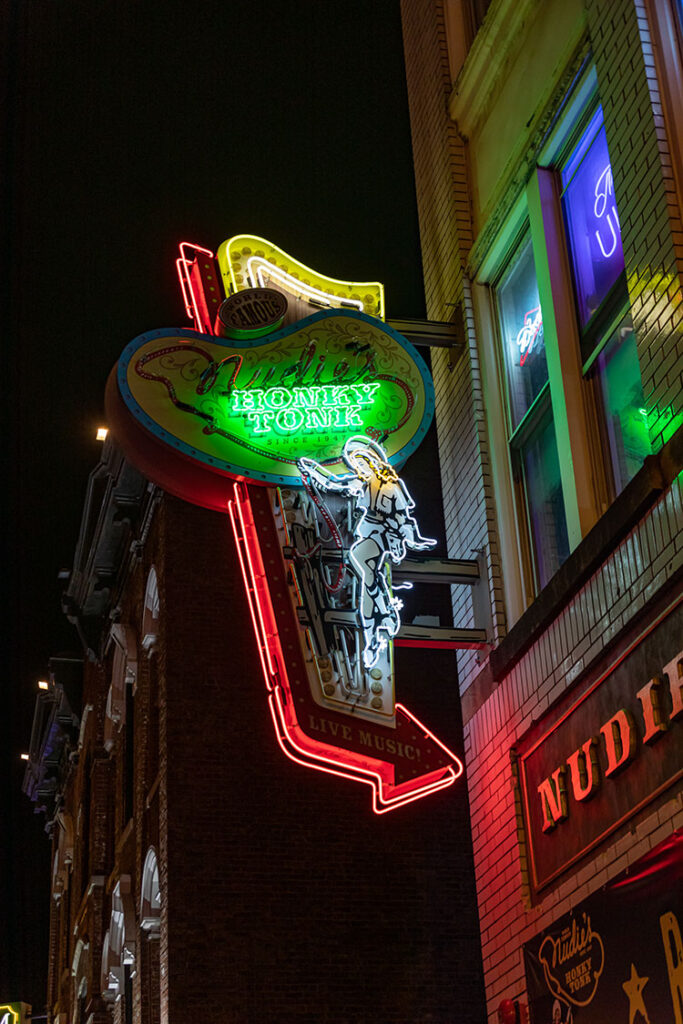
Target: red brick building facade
<point x="196" y="870"/>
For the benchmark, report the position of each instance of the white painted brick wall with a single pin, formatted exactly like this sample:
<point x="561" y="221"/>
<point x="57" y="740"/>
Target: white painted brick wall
<point x="634" y="571"/>
<point x="614" y="595"/>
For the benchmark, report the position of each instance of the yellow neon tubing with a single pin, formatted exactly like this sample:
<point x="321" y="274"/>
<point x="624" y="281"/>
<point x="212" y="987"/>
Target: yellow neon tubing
<point x="247" y="260"/>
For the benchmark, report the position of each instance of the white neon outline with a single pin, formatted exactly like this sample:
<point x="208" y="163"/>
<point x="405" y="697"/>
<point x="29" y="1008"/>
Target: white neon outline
<point x="601" y="200"/>
<point x="380" y="584"/>
<point x="277" y="683"/>
<point x="528" y="332"/>
<point x="608" y="190"/>
<point x="615" y="239"/>
<point x="296" y="287"/>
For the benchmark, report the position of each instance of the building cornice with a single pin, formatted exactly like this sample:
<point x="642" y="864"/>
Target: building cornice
<point x="513" y="183"/>
<point x="116" y="519"/>
<point x="496" y="45"/>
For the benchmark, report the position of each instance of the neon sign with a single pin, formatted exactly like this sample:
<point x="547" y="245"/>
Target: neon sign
<point x="527" y="334"/>
<point x="248" y="261"/>
<point x="308" y="409"/>
<point x="604" y="187"/>
<point x="397" y="756"/>
<point x="198" y="409"/>
<point x="208" y="419"/>
<point x="384" y="529"/>
<point x="591" y="218"/>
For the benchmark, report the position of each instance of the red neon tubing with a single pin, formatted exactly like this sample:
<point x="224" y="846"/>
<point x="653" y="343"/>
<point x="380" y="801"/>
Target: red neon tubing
<point x="324" y="758"/>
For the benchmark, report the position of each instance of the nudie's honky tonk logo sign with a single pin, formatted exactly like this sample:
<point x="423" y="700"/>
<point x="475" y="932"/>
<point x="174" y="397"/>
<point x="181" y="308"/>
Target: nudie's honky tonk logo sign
<point x="249" y="409"/>
<point x="304" y="423"/>
<point x="616" y="956"/>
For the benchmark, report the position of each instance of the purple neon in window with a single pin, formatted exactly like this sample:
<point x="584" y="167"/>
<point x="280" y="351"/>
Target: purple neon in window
<point x="592" y="219"/>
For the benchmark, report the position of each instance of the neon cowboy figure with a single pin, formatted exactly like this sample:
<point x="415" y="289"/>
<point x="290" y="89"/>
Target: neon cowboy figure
<point x="384" y="528"/>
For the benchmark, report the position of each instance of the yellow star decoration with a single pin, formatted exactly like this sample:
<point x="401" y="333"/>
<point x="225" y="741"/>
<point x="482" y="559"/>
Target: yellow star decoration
<point x="634" y="990"/>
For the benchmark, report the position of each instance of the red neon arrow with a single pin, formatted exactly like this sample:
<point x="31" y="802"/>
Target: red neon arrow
<point x="421" y="764"/>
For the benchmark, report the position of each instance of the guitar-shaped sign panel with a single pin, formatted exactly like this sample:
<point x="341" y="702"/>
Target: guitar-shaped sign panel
<point x="299" y="433"/>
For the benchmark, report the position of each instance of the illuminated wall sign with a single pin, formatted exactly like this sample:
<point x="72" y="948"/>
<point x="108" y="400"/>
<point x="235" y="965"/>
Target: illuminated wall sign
<point x="192" y="410"/>
<point x="341" y="399"/>
<point x="247" y="261"/>
<point x="618" y="956"/>
<point x="251" y="314"/>
<point x="597" y="760"/>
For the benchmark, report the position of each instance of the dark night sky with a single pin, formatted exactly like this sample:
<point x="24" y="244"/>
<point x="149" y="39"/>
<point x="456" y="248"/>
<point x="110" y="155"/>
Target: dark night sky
<point x="130" y="126"/>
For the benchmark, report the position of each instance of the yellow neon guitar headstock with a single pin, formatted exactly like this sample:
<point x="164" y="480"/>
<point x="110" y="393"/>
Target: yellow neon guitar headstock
<point x="247" y="261"/>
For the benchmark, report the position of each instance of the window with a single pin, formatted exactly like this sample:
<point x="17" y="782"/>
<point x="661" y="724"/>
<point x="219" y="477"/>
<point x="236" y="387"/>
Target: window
<point x="80" y="972"/>
<point x="547" y="518"/>
<point x="522" y="328"/>
<point x="593" y="229"/>
<point x="624" y="418"/>
<point x="150" y="895"/>
<point x="533" y="446"/>
<point x="118" y="950"/>
<point x="607" y="338"/>
<point x="576" y="426"/>
<point x="150" y="617"/>
<point x="129" y="758"/>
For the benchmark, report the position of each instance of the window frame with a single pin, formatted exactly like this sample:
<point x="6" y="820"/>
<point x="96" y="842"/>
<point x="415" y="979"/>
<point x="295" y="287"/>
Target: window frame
<point x="532" y="420"/>
<point x="597" y="332"/>
<point x="666" y="22"/>
<point x="572" y="391"/>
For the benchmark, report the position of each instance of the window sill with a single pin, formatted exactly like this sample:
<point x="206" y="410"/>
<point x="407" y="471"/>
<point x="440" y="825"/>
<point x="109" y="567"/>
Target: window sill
<point x="658" y="472"/>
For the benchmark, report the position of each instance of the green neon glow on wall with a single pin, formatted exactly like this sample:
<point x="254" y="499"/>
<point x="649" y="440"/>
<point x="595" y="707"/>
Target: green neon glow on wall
<point x="310" y="410"/>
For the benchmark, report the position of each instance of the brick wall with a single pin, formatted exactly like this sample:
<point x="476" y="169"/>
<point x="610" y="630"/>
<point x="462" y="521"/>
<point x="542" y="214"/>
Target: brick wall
<point x="444" y="207"/>
<point x="645" y="189"/>
<point x="286" y="897"/>
<point x="283" y="896"/>
<point x="610" y="600"/>
<point x="641" y="564"/>
<point x="79" y="913"/>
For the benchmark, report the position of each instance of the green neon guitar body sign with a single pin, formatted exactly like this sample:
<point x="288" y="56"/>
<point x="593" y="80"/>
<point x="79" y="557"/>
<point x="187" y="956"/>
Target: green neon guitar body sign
<point x="206" y="408"/>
